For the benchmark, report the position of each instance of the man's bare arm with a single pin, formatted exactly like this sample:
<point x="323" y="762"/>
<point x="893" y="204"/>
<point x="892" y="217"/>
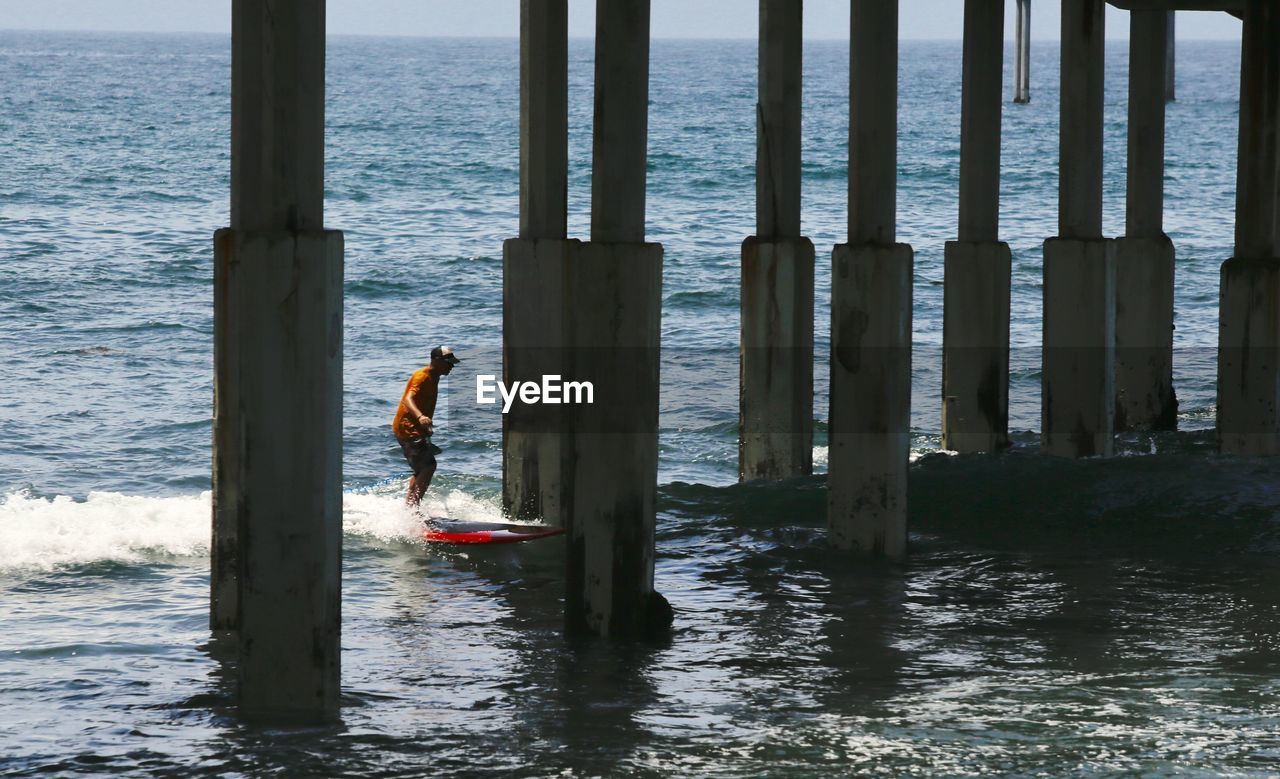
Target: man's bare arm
<point x="420" y="420"/>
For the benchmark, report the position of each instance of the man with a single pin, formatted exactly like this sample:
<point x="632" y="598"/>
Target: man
<point x="413" y="425"/>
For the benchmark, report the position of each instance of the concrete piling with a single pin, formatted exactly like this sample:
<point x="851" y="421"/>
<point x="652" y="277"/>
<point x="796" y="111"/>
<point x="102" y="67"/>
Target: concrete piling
<point x="1078" y="401"/>
<point x="975" y="346"/>
<point x="1249" y="304"/>
<point x="871" y="309"/>
<point x="535" y="268"/>
<point x="1078" y="374"/>
<point x="535" y="331"/>
<point x="614" y="293"/>
<point x="870" y="399"/>
<point x="975" y="341"/>
<point x="619" y="141"/>
<point x="1145" y="397"/>
<point x="775" y="417"/>
<point x="1022" y="54"/>
<point x="1144" y="256"/>
<point x="1170" y="90"/>
<point x="278" y="385"/>
<point x="544" y="118"/>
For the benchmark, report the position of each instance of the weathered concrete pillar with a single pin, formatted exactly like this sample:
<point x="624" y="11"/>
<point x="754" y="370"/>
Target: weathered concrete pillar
<point x="1078" y="375"/>
<point x="871" y="309"/>
<point x="615" y="292"/>
<point x="1145" y="398"/>
<point x="1022" y="54"/>
<point x="1144" y="204"/>
<point x="775" y="415"/>
<point x="621" y="129"/>
<point x="535" y="267"/>
<point x="975" y="351"/>
<point x="1170" y="93"/>
<point x="1078" y="383"/>
<point x="975" y="339"/>
<point x="535" y="332"/>
<point x="778" y="119"/>
<point x="615" y="289"/>
<point x="1249" y="304"/>
<point x="1080" y="135"/>
<point x="1144" y="256"/>
<point x="278" y="385"/>
<point x="544" y="118"/>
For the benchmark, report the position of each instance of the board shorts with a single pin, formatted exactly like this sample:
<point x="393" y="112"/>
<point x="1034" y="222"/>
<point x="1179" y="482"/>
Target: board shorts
<point x="420" y="453"/>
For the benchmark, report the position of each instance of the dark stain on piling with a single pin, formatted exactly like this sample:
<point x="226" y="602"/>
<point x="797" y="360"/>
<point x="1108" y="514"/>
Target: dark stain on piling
<point x="854" y="324"/>
<point x="989" y="404"/>
<point x="1082" y="439"/>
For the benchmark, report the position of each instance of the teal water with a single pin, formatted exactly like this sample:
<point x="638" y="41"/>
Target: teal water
<point x="1054" y="618"/>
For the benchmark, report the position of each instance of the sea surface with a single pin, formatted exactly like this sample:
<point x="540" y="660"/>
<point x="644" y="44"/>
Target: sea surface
<point x="1054" y="617"/>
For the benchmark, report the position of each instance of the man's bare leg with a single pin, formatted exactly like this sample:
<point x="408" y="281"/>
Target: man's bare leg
<point x="418" y="484"/>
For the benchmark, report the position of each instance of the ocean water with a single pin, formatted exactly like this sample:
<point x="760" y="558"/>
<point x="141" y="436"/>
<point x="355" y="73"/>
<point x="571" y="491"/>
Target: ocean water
<point x="1095" y="617"/>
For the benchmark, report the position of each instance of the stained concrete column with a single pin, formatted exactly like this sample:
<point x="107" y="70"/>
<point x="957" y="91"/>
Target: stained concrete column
<point x="775" y="415"/>
<point x="621" y="128"/>
<point x="975" y="340"/>
<point x="614" y="295"/>
<point x="278" y="384"/>
<point x="1078" y="375"/>
<point x="535" y="267"/>
<point x="1249" y="304"/>
<point x="1144" y="256"/>
<point x="544" y="118"/>
<point x="1170" y="93"/>
<point x="1022" y="54"/>
<point x="871" y="309"/>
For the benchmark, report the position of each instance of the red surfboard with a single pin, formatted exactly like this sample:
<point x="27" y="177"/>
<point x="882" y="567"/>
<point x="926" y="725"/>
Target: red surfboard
<point x="455" y="531"/>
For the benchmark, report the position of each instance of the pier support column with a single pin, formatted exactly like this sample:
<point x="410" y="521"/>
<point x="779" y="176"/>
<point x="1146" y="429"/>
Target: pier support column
<point x="285" y="291"/>
<point x="1022" y="54"/>
<point x="615" y="291"/>
<point x="535" y="330"/>
<point x="1078" y="374"/>
<point x="277" y="535"/>
<point x="871" y="309"/>
<point x="975" y="340"/>
<point x="1249" y="304"/>
<point x="870" y="399"/>
<point x="775" y="415"/>
<point x="1144" y="257"/>
<point x="1145" y="398"/>
<point x="535" y="267"/>
<point x="1078" y="402"/>
<point x="616" y="294"/>
<point x="1170" y="70"/>
<point x="776" y="396"/>
<point x="975" y="351"/>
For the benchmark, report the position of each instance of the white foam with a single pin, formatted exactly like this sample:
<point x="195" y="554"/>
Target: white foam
<point x="820" y="453"/>
<point x="45" y="534"/>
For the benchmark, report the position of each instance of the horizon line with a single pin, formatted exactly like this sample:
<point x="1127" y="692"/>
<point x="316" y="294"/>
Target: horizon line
<point x="409" y="36"/>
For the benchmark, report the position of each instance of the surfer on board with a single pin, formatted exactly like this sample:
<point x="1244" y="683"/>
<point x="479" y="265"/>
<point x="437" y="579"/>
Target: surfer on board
<point x="413" y="425"/>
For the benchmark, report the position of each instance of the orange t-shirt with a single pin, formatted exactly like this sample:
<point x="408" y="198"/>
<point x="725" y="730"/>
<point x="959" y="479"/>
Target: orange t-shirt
<point x="422" y="387"/>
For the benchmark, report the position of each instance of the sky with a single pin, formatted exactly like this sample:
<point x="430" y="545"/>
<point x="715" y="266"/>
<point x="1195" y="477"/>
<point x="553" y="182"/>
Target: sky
<point x="824" y="19"/>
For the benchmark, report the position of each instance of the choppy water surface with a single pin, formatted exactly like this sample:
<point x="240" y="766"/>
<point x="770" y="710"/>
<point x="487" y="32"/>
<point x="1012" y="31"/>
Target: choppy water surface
<point x="1053" y="618"/>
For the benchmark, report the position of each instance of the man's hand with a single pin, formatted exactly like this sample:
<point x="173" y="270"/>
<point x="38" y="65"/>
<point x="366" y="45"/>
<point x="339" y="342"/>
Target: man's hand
<point x="424" y="424"/>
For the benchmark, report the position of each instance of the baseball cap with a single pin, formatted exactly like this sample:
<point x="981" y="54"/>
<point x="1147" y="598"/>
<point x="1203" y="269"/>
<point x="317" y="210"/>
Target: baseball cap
<point x="446" y="354"/>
